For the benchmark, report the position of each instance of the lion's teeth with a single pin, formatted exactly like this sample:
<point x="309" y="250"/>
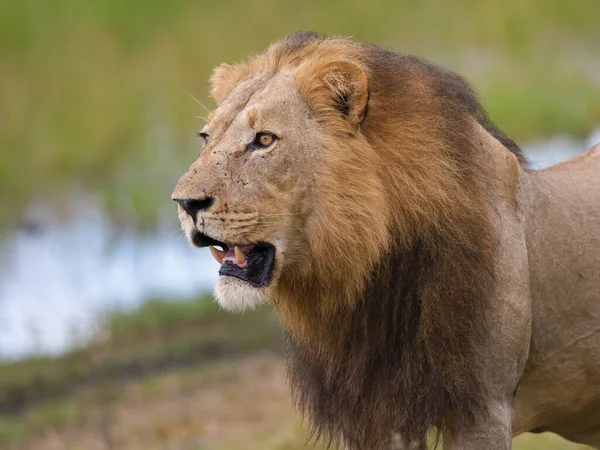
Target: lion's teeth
<point x="217" y="254"/>
<point x="240" y="257"/>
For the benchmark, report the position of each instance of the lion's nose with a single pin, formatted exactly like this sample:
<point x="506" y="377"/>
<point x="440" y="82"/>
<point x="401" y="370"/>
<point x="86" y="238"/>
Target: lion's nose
<point x="193" y="206"/>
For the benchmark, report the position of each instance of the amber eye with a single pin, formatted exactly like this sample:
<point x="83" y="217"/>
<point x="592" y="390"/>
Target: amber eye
<point x="264" y="139"/>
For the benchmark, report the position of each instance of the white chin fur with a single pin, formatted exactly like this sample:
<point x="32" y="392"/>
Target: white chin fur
<point x="237" y="295"/>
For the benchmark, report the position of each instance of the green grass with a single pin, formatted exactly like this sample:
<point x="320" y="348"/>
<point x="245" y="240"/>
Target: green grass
<point x="545" y="441"/>
<point x="97" y="95"/>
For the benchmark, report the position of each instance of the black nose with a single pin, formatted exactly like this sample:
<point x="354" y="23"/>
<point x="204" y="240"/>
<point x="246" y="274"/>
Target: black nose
<point x="194" y="206"/>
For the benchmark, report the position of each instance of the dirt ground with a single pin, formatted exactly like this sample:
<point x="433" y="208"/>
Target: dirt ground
<point x="241" y="404"/>
<point x="231" y="405"/>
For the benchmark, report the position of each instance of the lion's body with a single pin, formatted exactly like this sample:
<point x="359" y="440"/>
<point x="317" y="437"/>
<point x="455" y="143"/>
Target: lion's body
<point x="560" y="388"/>
<point x="546" y="300"/>
<point x="423" y="274"/>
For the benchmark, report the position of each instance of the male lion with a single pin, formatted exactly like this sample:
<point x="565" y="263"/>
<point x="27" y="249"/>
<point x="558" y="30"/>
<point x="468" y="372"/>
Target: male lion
<point x="427" y="280"/>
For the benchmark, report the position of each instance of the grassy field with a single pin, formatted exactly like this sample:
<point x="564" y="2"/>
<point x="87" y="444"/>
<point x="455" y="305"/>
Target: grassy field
<point x="170" y="375"/>
<point x="98" y="96"/>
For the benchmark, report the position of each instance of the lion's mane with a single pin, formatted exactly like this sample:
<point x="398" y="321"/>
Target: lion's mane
<point x="388" y="340"/>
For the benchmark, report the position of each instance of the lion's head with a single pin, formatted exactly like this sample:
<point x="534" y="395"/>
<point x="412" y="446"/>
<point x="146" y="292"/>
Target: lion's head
<point x="344" y="184"/>
<point x="287" y="188"/>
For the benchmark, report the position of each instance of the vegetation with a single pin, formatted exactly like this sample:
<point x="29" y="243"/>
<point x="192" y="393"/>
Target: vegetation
<point x="159" y="335"/>
<point x="171" y="374"/>
<point x="98" y="95"/>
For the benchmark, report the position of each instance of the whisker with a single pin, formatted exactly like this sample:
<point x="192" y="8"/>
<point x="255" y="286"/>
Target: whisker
<point x="199" y="102"/>
<point x="176" y="232"/>
<point x="252" y="227"/>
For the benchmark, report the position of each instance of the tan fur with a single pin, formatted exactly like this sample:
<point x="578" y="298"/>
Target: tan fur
<point x="410" y="262"/>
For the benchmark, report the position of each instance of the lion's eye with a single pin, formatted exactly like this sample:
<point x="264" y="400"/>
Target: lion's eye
<point x="204" y="136"/>
<point x="264" y="139"/>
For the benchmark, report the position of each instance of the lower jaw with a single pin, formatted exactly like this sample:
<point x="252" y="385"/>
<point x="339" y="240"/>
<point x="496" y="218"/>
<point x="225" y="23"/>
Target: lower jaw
<point x="231" y="270"/>
<point x="236" y="295"/>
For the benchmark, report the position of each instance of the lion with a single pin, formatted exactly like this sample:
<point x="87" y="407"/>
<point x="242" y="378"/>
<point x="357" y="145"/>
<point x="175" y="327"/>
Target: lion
<point x="428" y="281"/>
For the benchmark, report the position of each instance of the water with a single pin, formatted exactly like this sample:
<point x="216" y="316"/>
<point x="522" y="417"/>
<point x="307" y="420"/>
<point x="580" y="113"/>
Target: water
<point x="545" y="153"/>
<point x="58" y="279"/>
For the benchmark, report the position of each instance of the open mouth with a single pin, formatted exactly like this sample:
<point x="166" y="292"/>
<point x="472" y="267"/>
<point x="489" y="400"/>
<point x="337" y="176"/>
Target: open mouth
<point x="252" y="263"/>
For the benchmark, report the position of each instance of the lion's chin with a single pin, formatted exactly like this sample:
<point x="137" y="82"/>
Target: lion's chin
<point x="236" y="295"/>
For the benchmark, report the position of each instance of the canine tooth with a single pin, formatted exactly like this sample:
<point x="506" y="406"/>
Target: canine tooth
<point x="239" y="255"/>
<point x="218" y="255"/>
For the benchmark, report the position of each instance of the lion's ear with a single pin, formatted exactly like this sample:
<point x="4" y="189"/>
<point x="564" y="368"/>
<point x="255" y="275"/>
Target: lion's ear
<point x="224" y="79"/>
<point x="340" y="87"/>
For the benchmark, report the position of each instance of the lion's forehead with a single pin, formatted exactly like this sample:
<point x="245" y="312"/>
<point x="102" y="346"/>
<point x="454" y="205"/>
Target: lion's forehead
<point x="221" y="118"/>
<point x="260" y="96"/>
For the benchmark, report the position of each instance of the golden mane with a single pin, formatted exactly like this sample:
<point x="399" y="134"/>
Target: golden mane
<point x="384" y="334"/>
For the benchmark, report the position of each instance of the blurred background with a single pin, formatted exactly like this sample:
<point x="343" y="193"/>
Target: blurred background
<point x="109" y="338"/>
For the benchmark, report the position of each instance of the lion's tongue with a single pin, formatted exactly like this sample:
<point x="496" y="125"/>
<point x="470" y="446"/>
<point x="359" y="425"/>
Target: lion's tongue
<point x="237" y="256"/>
